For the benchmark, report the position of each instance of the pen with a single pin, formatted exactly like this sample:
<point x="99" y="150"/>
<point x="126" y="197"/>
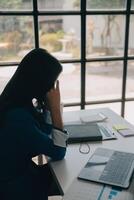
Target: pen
<point x="96" y="163"/>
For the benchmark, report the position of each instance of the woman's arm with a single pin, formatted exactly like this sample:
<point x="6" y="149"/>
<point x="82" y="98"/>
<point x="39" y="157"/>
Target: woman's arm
<point x="53" y="100"/>
<point x="54" y="104"/>
<point x="32" y="140"/>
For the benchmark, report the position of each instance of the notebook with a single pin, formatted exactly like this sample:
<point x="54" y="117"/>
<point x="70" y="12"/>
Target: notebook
<point x="99" y="117"/>
<point x="83" y="133"/>
<point x="110" y="167"/>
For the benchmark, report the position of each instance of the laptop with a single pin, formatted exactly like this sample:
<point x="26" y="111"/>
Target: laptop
<point x="109" y="167"/>
<point x="83" y="133"/>
<point x="89" y="132"/>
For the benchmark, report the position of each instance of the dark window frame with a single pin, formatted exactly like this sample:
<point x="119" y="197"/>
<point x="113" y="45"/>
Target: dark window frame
<point x="83" y="13"/>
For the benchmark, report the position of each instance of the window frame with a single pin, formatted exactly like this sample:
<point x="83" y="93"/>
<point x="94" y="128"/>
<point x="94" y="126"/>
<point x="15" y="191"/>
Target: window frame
<point x="83" y="13"/>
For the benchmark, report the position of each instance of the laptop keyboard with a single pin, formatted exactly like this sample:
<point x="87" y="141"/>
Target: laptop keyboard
<point x="117" y="168"/>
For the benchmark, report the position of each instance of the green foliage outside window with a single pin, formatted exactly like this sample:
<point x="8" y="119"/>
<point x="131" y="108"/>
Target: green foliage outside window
<point x="102" y="4"/>
<point x="51" y="41"/>
<point x="4" y="4"/>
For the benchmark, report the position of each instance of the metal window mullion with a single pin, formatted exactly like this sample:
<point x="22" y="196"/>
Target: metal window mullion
<point x="97" y="59"/>
<point x="87" y="12"/>
<point x="95" y="102"/>
<point x="83" y="52"/>
<point x="111" y="58"/>
<point x="125" y="62"/>
<point x="35" y="17"/>
<point x="48" y="13"/>
<point x="106" y="12"/>
<point x="130" y="57"/>
<point x="129" y="99"/>
<point x="67" y="12"/>
<point x="98" y="102"/>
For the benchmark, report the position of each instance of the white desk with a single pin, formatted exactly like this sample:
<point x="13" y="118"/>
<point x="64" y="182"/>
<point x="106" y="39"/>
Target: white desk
<point x="68" y="169"/>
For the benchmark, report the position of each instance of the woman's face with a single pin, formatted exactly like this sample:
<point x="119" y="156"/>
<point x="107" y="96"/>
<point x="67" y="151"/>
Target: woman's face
<point x="52" y="85"/>
<point x="45" y="85"/>
<point x="49" y="87"/>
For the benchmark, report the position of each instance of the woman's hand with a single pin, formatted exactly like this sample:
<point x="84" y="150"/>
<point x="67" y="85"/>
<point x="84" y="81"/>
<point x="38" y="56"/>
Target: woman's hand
<point x="53" y="101"/>
<point x="53" y="98"/>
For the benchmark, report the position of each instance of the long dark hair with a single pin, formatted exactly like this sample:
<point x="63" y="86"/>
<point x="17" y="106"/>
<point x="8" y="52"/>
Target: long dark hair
<point x="34" y="77"/>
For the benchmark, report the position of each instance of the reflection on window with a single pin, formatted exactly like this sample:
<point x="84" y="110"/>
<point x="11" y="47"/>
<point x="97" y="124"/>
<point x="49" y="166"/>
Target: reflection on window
<point x="105" y="35"/>
<point x="16" y="37"/>
<point x="60" y="35"/>
<point x="103" y="80"/>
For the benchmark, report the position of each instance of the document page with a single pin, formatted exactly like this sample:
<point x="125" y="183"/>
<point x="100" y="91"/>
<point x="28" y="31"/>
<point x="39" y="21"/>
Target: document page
<point x="114" y="193"/>
<point x="100" y="117"/>
<point x="82" y="190"/>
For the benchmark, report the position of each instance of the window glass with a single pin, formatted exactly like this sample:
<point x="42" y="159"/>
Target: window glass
<point x="131" y="36"/>
<point x="70" y="83"/>
<point x="106" y="4"/>
<point x="132" y="4"/>
<point x="129" y="115"/>
<point x="16" y="37"/>
<point x="103" y="80"/>
<point x="5" y="74"/>
<point x="60" y="35"/>
<point x="105" y="35"/>
<point x="116" y="107"/>
<point x="59" y="5"/>
<point x="71" y="108"/>
<point x="8" y="5"/>
<point x="130" y="80"/>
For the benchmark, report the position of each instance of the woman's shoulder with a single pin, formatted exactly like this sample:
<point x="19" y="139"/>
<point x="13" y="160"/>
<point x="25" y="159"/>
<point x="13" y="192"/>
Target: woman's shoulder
<point x="19" y="113"/>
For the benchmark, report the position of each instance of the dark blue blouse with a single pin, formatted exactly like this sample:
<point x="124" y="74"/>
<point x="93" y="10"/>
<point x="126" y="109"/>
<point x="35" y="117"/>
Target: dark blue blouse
<point x="22" y="138"/>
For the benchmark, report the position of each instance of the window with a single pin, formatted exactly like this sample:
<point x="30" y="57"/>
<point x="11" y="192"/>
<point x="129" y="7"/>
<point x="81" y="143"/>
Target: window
<point x="93" y="39"/>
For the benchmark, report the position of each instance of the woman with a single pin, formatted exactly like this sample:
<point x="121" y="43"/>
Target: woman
<point x="26" y="130"/>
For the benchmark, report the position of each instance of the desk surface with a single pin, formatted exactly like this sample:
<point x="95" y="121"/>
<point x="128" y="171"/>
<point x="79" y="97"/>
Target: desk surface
<point x="68" y="169"/>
